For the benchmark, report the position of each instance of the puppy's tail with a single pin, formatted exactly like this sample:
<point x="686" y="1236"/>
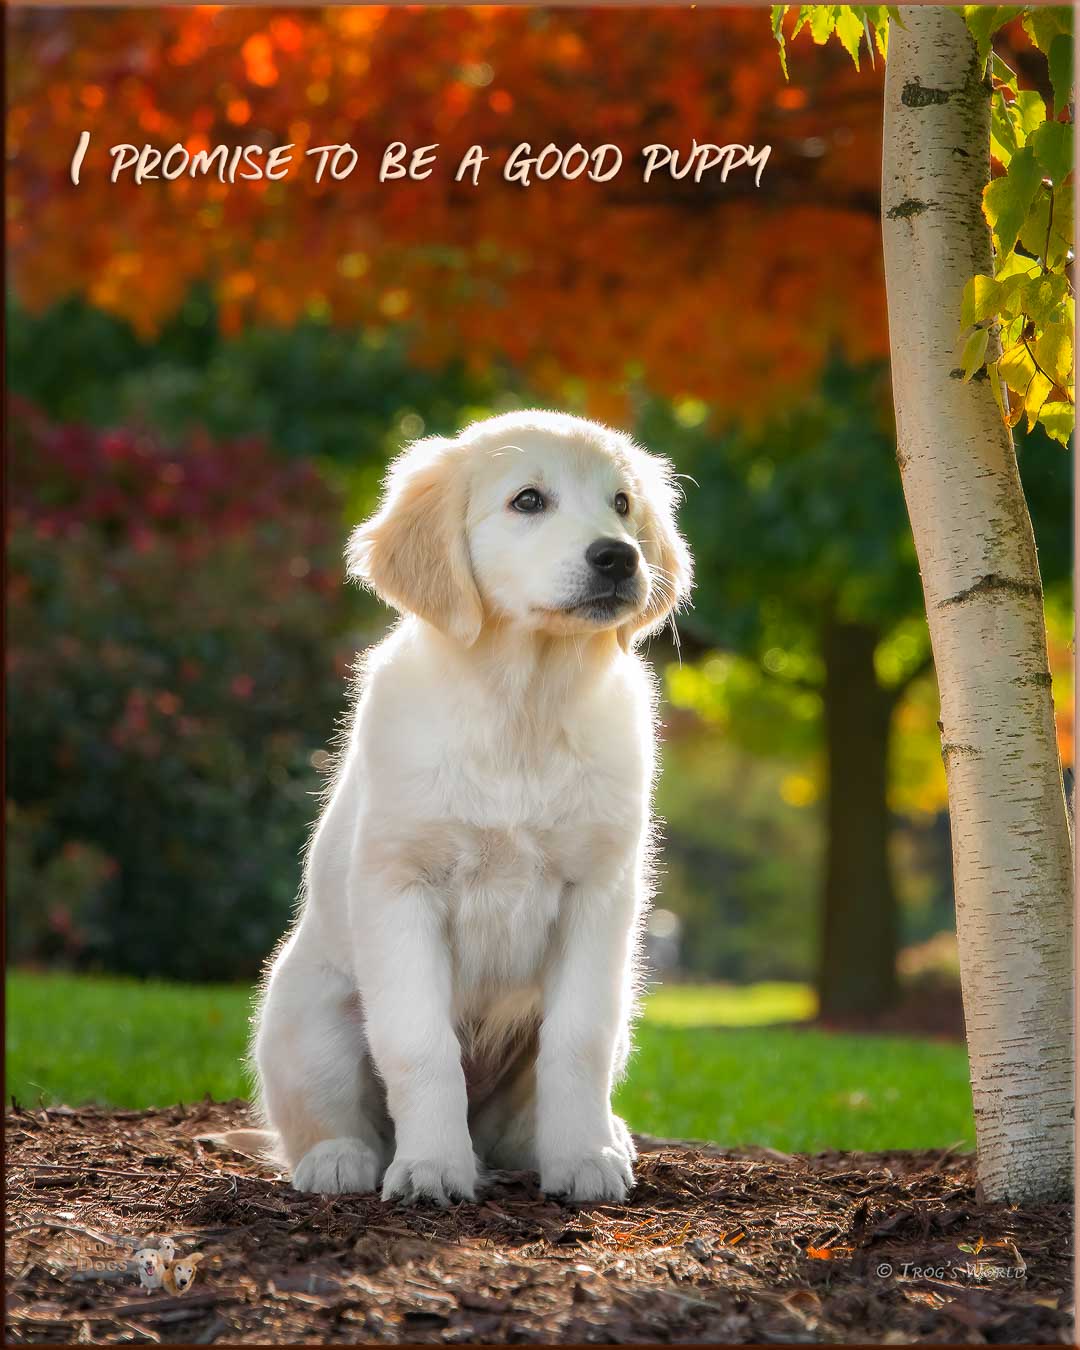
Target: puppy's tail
<point x="262" y="1144"/>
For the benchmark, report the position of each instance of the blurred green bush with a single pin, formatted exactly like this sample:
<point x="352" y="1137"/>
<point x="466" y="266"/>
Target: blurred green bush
<point x="179" y="631"/>
<point x="177" y="642"/>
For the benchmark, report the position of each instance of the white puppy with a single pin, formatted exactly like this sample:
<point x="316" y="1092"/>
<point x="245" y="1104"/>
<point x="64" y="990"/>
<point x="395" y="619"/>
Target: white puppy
<point x="461" y="977"/>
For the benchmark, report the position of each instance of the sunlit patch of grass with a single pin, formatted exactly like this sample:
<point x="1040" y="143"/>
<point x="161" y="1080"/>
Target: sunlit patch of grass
<point x="702" y="1069"/>
<point x="730" y="1005"/>
<point x="130" y="1043"/>
<point x="797" y="1089"/>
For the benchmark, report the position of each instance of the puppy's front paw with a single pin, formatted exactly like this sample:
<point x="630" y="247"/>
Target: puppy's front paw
<point x="599" y="1174"/>
<point x="441" y="1180"/>
<point x="625" y="1138"/>
<point x="337" y="1167"/>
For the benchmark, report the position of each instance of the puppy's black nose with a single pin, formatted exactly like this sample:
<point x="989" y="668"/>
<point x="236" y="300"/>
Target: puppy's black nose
<point x="612" y="558"/>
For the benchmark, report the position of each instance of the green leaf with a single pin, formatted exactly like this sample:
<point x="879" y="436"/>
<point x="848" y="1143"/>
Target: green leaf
<point x="1043" y="23"/>
<point x="979" y="19"/>
<point x="1004" y="129"/>
<point x="1011" y="301"/>
<point x="778" y="14"/>
<point x="869" y="41"/>
<point x="1031" y="111"/>
<point x="1050" y="239"/>
<point x="880" y="17"/>
<point x="1040" y="298"/>
<point x="983" y="21"/>
<point x="1015" y="264"/>
<point x="974" y="353"/>
<point x="1012" y="331"/>
<point x="1053" y="146"/>
<point x="1002" y="73"/>
<point x="982" y="296"/>
<point x="1007" y="200"/>
<point x="1060" y="61"/>
<point x="849" y="29"/>
<point x="1059" y="420"/>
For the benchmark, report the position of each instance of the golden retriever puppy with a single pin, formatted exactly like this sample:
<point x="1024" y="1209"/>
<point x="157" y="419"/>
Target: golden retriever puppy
<point x="459" y="986"/>
<point x="179" y="1275"/>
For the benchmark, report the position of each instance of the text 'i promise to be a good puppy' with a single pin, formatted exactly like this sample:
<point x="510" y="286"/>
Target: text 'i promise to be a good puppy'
<point x="521" y="165"/>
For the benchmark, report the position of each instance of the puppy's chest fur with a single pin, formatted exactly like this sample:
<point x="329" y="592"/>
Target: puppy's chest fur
<point x="528" y="830"/>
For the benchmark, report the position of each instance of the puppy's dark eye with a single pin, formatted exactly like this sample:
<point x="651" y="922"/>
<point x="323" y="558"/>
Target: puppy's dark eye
<point x="622" y="503"/>
<point x="529" y="502"/>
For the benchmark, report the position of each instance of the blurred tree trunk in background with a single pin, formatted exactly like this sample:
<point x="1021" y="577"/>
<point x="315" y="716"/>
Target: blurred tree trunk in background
<point x="859" y="921"/>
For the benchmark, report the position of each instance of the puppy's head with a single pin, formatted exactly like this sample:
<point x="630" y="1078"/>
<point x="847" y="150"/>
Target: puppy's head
<point x="150" y="1262"/>
<point x="548" y="522"/>
<point x="183" y="1271"/>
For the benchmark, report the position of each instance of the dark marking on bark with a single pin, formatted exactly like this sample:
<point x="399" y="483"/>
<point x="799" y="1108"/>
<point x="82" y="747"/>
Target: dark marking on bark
<point x="993" y="583"/>
<point x="962" y="153"/>
<point x="1042" y="679"/>
<point x="981" y="374"/>
<point x="959" y="749"/>
<point x="910" y="206"/>
<point x="919" y="95"/>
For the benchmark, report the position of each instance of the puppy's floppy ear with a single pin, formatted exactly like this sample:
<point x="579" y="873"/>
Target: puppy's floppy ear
<point x="670" y="564"/>
<point x="413" y="553"/>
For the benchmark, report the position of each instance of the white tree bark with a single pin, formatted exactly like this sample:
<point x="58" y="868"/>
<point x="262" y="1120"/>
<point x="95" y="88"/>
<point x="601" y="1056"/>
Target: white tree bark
<point x="1010" y="833"/>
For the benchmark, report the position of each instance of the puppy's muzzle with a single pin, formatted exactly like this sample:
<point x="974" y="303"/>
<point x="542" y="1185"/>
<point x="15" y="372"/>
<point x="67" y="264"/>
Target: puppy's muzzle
<point x="614" y="560"/>
<point x="614" y="580"/>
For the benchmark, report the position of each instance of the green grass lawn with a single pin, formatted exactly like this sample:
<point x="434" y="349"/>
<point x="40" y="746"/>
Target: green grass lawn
<point x="707" y="1064"/>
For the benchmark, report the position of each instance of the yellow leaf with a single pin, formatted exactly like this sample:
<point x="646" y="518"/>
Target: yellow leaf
<point x="849" y="29"/>
<point x="1017" y="368"/>
<point x="982" y="297"/>
<point x="1058" y="420"/>
<point x="1054" y="352"/>
<point x="1036" y="394"/>
<point x="1000" y="394"/>
<point x="974" y="353"/>
<point x="821" y="22"/>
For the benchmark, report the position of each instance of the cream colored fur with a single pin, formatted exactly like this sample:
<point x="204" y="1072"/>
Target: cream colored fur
<point x="459" y="986"/>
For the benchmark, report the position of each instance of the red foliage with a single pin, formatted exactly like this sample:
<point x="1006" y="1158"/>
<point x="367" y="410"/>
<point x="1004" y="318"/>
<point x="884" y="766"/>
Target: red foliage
<point x="726" y="292"/>
<point x="174" y="617"/>
<point x="133" y="489"/>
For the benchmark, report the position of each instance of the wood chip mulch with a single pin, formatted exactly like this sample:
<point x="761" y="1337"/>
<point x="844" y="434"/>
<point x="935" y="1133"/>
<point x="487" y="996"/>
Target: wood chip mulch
<point x="713" y="1246"/>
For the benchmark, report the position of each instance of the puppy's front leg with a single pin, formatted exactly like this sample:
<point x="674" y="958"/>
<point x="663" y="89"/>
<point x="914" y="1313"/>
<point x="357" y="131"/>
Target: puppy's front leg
<point x="585" y="1151"/>
<point x="405" y="982"/>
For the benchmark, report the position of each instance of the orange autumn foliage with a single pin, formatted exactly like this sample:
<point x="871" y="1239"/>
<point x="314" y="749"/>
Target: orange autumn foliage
<point x="729" y="293"/>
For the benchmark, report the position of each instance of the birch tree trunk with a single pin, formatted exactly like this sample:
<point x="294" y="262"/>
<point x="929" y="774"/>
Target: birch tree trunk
<point x="1011" y="844"/>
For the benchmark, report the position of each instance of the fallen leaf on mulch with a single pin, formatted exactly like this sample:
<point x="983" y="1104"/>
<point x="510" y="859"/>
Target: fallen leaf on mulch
<point x="711" y="1246"/>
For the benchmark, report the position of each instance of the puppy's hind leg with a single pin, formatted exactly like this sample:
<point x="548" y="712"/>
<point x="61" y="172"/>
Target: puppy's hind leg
<point x="318" y="1086"/>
